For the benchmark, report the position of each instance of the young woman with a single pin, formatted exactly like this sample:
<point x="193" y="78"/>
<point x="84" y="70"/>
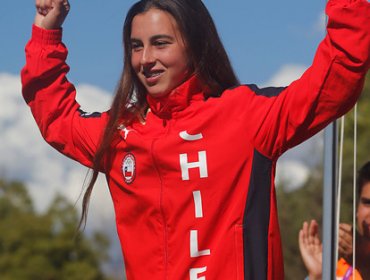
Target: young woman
<point x="188" y="153"/>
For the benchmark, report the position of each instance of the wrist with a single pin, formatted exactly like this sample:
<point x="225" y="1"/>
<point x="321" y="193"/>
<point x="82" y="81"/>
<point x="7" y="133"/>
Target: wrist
<point x="46" y="37"/>
<point x="314" y="277"/>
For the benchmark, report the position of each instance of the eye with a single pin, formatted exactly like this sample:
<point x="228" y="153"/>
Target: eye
<point x="161" y="43"/>
<point x="365" y="201"/>
<point x="136" y="46"/>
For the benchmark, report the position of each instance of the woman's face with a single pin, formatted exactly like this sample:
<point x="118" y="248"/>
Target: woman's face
<point x="159" y="56"/>
<point x="363" y="211"/>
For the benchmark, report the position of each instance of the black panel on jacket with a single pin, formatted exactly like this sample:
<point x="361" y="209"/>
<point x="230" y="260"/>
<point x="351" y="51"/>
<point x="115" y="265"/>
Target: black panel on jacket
<point x="267" y="91"/>
<point x="256" y="219"/>
<point x="89" y="115"/>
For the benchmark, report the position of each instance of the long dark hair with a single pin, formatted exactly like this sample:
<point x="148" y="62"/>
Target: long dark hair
<point x="207" y="56"/>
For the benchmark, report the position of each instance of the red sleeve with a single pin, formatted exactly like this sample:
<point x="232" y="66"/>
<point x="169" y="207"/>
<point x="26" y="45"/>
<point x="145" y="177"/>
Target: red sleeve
<point x="51" y="98"/>
<point x="327" y="90"/>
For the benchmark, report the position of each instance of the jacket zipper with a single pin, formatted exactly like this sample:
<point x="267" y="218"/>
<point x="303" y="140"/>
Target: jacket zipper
<point x="165" y="233"/>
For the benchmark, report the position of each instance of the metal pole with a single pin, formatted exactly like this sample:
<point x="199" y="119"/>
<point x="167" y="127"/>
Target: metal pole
<point x="329" y="202"/>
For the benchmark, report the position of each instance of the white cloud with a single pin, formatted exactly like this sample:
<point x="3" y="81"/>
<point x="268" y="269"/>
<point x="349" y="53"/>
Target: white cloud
<point x="294" y="166"/>
<point x="93" y="99"/>
<point x="291" y="174"/>
<point x="286" y="74"/>
<point x="319" y="26"/>
<point x="25" y="156"/>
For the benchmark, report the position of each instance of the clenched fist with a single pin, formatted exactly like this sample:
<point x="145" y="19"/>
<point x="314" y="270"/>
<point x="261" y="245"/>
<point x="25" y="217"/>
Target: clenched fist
<point x="51" y="13"/>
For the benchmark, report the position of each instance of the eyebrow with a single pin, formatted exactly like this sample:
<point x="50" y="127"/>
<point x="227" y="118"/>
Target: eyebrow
<point x="161" y="36"/>
<point x="153" y="38"/>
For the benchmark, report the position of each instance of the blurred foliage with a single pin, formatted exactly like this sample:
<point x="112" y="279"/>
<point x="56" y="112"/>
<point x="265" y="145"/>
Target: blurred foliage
<point x="305" y="203"/>
<point x="45" y="246"/>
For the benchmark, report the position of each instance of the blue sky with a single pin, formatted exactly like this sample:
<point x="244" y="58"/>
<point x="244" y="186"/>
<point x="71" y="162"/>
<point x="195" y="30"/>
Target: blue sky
<point x="260" y="37"/>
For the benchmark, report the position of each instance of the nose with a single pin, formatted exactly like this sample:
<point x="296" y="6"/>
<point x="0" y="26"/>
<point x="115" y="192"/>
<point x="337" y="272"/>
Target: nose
<point x="147" y="56"/>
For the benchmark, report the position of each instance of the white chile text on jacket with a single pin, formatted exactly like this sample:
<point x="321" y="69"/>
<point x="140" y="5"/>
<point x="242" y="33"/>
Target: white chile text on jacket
<point x="197" y="196"/>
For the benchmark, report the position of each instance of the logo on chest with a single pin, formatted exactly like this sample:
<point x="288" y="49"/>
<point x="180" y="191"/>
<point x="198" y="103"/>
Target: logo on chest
<point x="129" y="168"/>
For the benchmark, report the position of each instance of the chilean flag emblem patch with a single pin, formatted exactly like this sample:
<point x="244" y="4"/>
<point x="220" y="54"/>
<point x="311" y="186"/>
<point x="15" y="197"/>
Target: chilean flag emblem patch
<point x="129" y="168"/>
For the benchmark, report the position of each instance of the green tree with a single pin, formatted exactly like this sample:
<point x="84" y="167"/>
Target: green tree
<point x="295" y="207"/>
<point x="306" y="202"/>
<point x="45" y="246"/>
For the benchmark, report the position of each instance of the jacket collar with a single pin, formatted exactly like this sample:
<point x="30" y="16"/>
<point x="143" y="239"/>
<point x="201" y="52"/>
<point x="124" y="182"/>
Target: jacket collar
<point x="178" y="99"/>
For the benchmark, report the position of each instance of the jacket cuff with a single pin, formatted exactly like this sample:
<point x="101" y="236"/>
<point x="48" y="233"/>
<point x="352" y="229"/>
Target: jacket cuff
<point x="45" y="36"/>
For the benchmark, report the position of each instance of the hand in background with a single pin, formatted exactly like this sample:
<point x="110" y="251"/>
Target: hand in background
<point x="311" y="249"/>
<point x="345" y="240"/>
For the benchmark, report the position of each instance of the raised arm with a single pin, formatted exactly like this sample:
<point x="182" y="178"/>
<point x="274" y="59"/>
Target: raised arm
<point x="48" y="92"/>
<point x="284" y="117"/>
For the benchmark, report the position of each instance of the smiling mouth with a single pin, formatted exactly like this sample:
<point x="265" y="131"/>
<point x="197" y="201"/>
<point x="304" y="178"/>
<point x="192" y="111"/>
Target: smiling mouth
<point x="152" y="74"/>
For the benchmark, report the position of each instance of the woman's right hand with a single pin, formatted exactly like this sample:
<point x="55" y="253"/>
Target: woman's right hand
<point x="50" y="14"/>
